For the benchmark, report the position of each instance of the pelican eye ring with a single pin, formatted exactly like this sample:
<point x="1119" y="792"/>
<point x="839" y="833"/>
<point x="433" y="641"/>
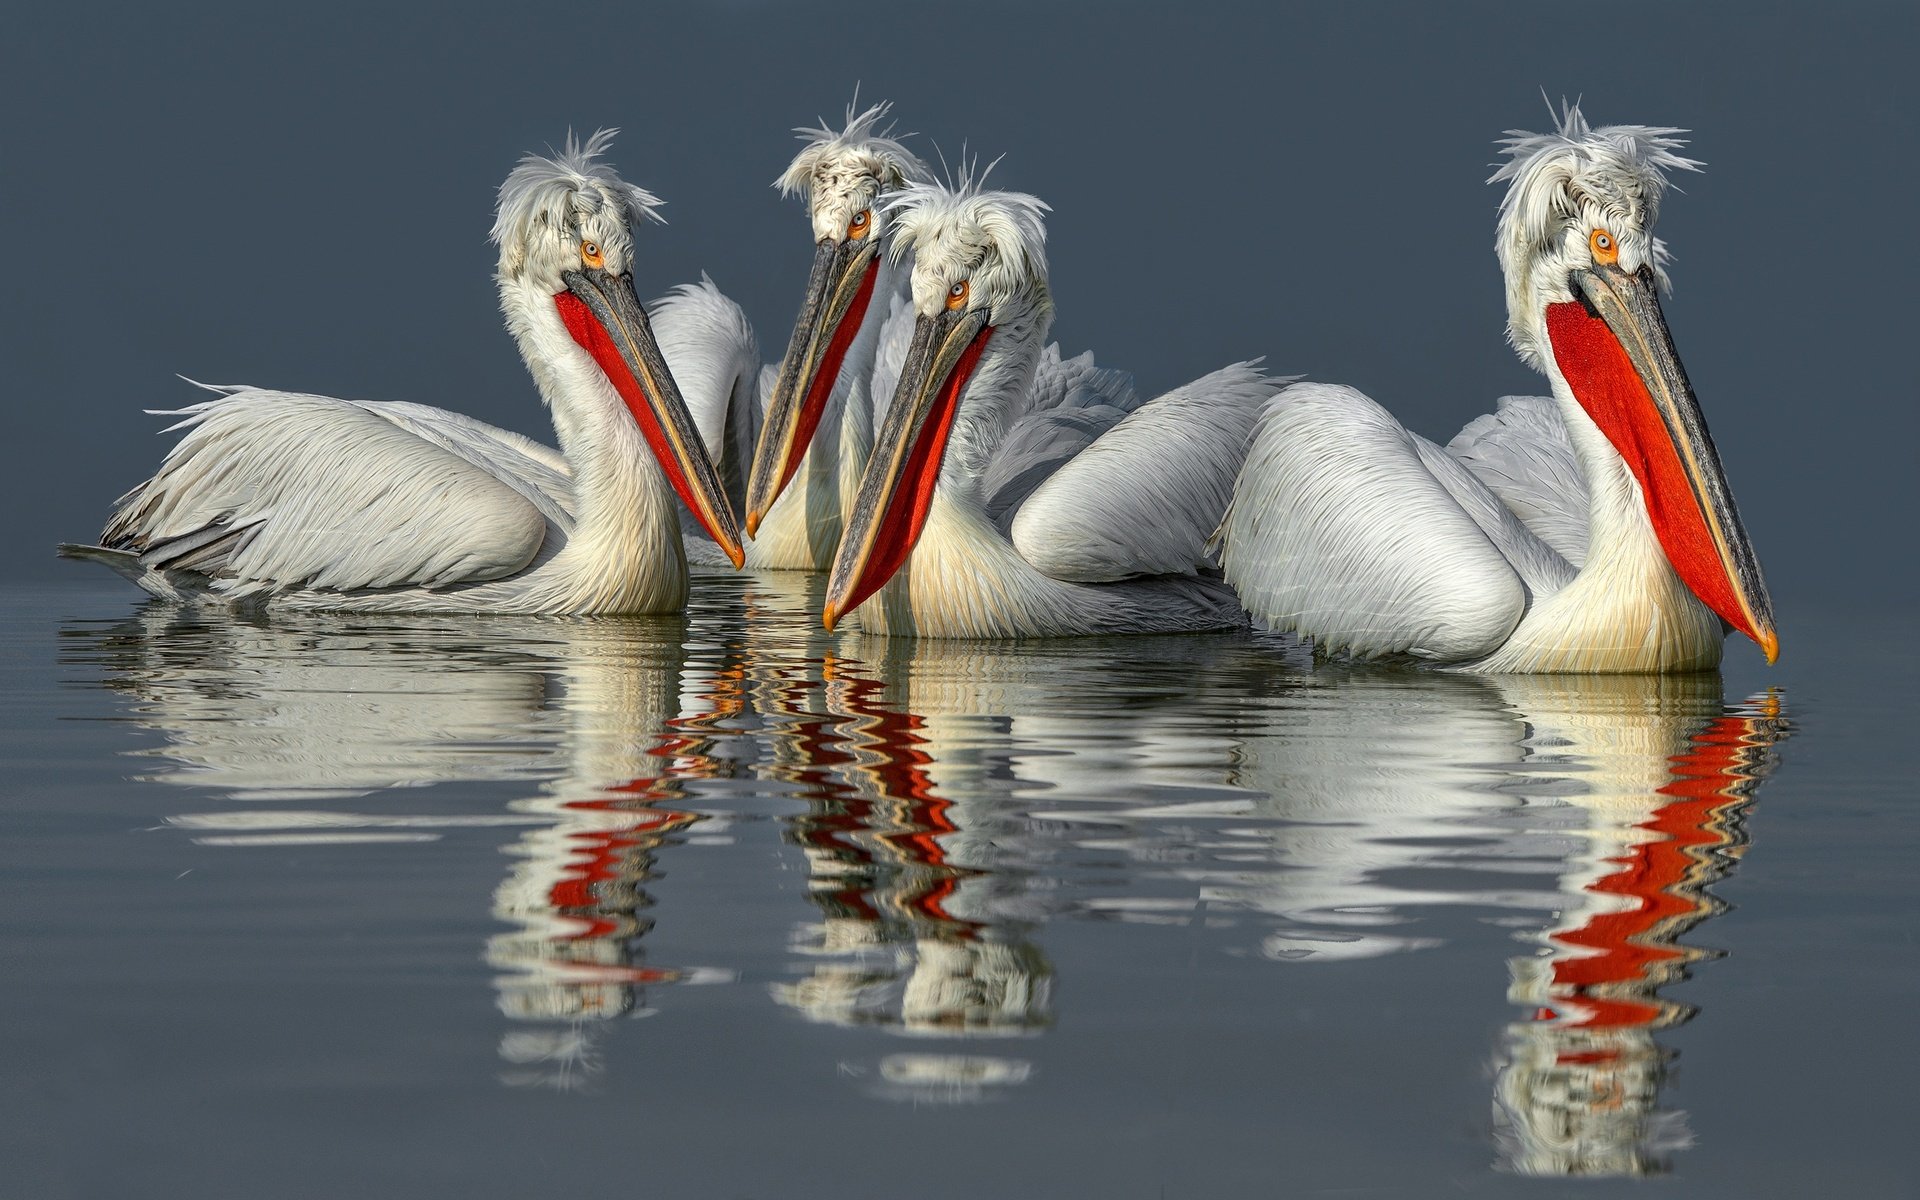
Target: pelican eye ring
<point x="957" y="295"/>
<point x="861" y="224"/>
<point x="590" y="254"/>
<point x="1605" y="249"/>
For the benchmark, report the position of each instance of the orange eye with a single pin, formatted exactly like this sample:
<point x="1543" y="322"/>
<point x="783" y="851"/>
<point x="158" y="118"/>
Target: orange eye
<point x="957" y="296"/>
<point x="590" y="254"/>
<point x="862" y="222"/>
<point x="1605" y="249"/>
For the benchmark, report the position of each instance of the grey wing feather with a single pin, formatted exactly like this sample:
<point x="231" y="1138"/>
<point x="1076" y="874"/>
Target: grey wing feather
<point x="538" y="472"/>
<point x="1144" y="498"/>
<point x="1339" y="531"/>
<point x="1540" y="567"/>
<point x="269" y="491"/>
<point x="1072" y="403"/>
<point x="1522" y="453"/>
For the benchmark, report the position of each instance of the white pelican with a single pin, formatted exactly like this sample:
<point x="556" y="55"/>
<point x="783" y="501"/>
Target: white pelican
<point x="801" y="484"/>
<point x="959" y="530"/>
<point x="313" y="502"/>
<point x="1592" y="532"/>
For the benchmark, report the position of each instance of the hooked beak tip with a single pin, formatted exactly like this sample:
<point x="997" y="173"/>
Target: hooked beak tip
<point x="1770" y="643"/>
<point x="736" y="556"/>
<point x="830" y="616"/>
<point x="753" y="521"/>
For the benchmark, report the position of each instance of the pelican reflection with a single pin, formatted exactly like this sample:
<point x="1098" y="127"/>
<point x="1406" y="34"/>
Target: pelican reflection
<point x="957" y="809"/>
<point x="1589" y="813"/>
<point x="1578" y="1084"/>
<point x="601" y="721"/>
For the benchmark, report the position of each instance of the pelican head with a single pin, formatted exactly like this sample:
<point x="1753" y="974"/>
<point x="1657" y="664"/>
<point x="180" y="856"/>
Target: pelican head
<point x="844" y="178"/>
<point x="564" y="226"/>
<point x="1584" y="275"/>
<point x="979" y="273"/>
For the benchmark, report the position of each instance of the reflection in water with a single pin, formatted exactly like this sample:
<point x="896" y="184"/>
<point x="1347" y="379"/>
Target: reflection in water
<point x="956" y="808"/>
<point x="1578" y="1089"/>
<point x="328" y="709"/>
<point x="919" y="932"/>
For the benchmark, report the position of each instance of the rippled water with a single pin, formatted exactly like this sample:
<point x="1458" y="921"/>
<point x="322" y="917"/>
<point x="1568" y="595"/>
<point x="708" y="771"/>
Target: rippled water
<point x="726" y="906"/>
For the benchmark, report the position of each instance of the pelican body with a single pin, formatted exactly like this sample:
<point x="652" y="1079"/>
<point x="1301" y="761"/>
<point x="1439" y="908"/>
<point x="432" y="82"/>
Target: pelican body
<point x="818" y="426"/>
<point x="314" y="502"/>
<point x="1590" y="532"/>
<point x="964" y="526"/>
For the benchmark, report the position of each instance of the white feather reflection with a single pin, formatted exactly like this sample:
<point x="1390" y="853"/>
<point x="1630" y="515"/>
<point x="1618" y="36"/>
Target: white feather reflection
<point x="957" y="810"/>
<point x="962" y="797"/>
<point x="587" y="713"/>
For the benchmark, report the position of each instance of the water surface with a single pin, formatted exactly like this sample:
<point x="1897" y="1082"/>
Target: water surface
<point x="726" y="906"/>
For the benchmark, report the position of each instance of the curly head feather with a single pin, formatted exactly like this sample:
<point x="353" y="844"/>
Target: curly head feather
<point x="997" y="239"/>
<point x="549" y="195"/>
<point x="1562" y="182"/>
<point x="862" y="144"/>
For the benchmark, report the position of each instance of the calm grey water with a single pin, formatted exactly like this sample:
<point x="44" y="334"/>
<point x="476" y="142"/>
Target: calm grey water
<point x="727" y="907"/>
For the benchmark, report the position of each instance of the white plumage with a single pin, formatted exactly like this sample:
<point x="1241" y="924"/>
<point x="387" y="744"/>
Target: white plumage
<point x="839" y="174"/>
<point x="1057" y="505"/>
<point x="1592" y="531"/>
<point x="316" y="502"/>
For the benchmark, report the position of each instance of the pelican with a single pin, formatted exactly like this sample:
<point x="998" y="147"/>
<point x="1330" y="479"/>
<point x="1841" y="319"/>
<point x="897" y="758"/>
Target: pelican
<point x="312" y="502"/>
<point x="958" y="529"/>
<point x="801" y="484"/>
<point x="1590" y="532"/>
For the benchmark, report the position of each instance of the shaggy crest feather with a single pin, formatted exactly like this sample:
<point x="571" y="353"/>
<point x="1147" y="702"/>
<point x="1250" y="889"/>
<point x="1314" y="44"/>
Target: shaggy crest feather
<point x="871" y="146"/>
<point x="1567" y="179"/>
<point x="997" y="238"/>
<point x="553" y="194"/>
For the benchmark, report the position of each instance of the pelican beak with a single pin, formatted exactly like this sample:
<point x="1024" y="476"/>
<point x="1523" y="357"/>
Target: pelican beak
<point x="838" y="292"/>
<point x="891" y="507"/>
<point x="605" y="317"/>
<point x="1614" y="349"/>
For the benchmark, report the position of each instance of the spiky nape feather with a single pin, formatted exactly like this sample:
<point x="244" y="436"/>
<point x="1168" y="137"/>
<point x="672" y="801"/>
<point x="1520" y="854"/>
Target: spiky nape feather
<point x="553" y="194"/>
<point x="1614" y="175"/>
<point x="873" y="147"/>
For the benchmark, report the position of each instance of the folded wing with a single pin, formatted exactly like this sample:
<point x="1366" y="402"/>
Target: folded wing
<point x="1145" y="495"/>
<point x="1522" y="453"/>
<point x="270" y="491"/>
<point x="1341" y="531"/>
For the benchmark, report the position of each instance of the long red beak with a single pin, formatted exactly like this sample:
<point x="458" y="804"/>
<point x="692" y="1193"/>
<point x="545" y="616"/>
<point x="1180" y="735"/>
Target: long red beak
<point x="838" y="293"/>
<point x="897" y="490"/>
<point x="606" y="319"/>
<point x="1618" y="357"/>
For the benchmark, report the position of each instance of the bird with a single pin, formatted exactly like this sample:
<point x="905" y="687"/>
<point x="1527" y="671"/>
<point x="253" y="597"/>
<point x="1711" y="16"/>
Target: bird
<point x="1591" y="531"/>
<point x="818" y="424"/>
<point x="287" y="500"/>
<point x="981" y="514"/>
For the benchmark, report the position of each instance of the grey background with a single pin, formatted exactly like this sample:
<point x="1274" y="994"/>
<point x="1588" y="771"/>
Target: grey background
<point x="300" y="200"/>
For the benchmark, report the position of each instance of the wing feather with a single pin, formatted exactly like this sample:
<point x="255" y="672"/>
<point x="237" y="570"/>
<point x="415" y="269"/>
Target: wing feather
<point x="1072" y="403"/>
<point x="1522" y="453"/>
<point x="1144" y="497"/>
<point x="1339" y="531"/>
<point x="269" y="491"/>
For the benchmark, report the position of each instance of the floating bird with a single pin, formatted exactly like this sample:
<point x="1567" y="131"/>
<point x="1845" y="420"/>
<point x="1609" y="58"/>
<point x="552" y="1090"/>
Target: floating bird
<point x="979" y="514"/>
<point x="1590" y="532"/>
<point x="826" y="386"/>
<point x="315" y="502"/>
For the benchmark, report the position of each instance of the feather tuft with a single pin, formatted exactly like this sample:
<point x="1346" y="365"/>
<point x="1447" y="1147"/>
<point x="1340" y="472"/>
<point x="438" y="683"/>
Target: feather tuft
<point x="873" y="147"/>
<point x="558" y="190"/>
